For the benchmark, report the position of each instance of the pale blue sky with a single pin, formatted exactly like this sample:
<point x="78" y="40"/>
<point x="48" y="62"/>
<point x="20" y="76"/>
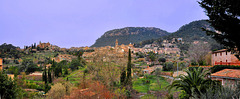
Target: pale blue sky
<point x="68" y="23"/>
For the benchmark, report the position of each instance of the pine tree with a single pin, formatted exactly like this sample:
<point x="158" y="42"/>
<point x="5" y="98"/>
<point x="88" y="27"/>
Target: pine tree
<point x="224" y="16"/>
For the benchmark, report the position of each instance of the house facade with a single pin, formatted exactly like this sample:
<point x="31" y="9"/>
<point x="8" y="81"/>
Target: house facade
<point x="224" y="57"/>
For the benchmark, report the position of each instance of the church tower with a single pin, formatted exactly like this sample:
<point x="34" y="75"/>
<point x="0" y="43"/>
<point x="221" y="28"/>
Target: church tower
<point x="116" y="44"/>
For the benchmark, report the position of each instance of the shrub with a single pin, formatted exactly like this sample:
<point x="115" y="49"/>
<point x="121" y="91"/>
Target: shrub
<point x="157" y="72"/>
<point x="57" y="91"/>
<point x="217" y="68"/>
<point x="162" y="60"/>
<point x="168" y="66"/>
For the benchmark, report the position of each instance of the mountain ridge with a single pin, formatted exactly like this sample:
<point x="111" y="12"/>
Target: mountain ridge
<point x="141" y="36"/>
<point x="189" y="33"/>
<point x="128" y="35"/>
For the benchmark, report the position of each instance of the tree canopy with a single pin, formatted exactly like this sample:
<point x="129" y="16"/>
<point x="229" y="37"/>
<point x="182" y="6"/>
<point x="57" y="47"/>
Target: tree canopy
<point x="8" y="88"/>
<point x="224" y="16"/>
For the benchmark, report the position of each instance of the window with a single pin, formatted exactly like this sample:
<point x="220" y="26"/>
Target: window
<point x="238" y="82"/>
<point x="226" y="53"/>
<point x="215" y="54"/>
<point x="220" y="80"/>
<point x="220" y="54"/>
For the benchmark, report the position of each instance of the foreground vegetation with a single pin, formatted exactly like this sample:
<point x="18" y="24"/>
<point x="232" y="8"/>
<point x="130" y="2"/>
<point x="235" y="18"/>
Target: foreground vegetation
<point x="150" y="83"/>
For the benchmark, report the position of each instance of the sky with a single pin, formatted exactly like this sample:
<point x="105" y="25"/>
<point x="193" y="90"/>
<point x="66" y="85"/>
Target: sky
<point x="76" y="23"/>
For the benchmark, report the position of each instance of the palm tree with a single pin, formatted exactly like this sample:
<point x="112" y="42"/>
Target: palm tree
<point x="194" y="83"/>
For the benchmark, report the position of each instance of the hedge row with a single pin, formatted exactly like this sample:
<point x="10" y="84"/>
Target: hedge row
<point x="217" y="68"/>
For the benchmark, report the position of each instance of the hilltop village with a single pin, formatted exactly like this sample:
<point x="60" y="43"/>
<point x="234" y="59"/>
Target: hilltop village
<point x="167" y="47"/>
<point x="39" y="68"/>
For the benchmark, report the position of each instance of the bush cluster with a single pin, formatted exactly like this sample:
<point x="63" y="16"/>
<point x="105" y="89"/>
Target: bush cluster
<point x="168" y="66"/>
<point x="217" y="68"/>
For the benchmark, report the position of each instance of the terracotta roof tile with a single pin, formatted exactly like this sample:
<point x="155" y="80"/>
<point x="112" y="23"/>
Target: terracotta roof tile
<point x="233" y="73"/>
<point x="222" y="50"/>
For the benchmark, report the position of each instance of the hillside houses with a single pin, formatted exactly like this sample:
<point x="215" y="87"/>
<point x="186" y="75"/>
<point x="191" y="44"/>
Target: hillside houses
<point x="121" y="50"/>
<point x="108" y="53"/>
<point x="166" y="48"/>
<point x="62" y="57"/>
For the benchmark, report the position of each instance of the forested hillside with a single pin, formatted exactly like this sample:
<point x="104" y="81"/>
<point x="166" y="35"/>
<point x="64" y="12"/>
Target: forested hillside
<point x="129" y="35"/>
<point x="189" y="33"/>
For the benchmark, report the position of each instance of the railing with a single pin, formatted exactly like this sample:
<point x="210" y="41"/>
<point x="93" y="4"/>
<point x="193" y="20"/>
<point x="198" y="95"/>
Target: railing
<point x="227" y="63"/>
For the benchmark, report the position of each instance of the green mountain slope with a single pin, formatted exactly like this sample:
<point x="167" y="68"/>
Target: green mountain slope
<point x="9" y="51"/>
<point x="129" y="35"/>
<point x="189" y="33"/>
<point x="192" y="31"/>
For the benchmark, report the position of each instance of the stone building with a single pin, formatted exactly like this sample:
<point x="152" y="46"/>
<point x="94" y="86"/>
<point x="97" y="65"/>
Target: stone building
<point x="44" y="45"/>
<point x="224" y="57"/>
<point x="227" y="76"/>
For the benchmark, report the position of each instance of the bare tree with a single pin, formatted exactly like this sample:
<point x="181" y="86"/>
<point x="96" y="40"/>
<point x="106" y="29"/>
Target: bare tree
<point x="197" y="52"/>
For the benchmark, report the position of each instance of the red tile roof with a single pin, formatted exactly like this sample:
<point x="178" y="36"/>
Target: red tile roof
<point x="233" y="73"/>
<point x="222" y="50"/>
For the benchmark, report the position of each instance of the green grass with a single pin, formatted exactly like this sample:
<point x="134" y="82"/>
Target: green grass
<point x="141" y="63"/>
<point x="33" y="81"/>
<point x="75" y="76"/>
<point x="148" y="96"/>
<point x="141" y="85"/>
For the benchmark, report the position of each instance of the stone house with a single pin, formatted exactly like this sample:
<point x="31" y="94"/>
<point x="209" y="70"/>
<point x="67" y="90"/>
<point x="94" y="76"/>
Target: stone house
<point x="224" y="57"/>
<point x="227" y="76"/>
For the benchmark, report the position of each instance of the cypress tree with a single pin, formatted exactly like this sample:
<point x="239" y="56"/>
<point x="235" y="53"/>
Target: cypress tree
<point x="34" y="45"/>
<point x="49" y="76"/>
<point x="53" y="68"/>
<point x="44" y="76"/>
<point x="129" y="67"/>
<point x="123" y="77"/>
